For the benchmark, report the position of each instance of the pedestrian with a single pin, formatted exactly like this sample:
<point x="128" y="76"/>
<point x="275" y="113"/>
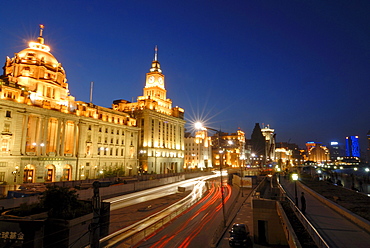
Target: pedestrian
<point x="361" y="188"/>
<point x="303" y="203"/>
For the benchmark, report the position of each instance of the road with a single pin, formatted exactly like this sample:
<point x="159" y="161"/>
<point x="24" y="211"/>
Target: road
<point x="196" y="226"/>
<point x="151" y="194"/>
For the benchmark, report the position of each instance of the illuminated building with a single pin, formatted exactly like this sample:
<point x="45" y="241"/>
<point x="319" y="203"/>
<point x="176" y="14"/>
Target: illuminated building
<point x="352" y="146"/>
<point x="283" y="157"/>
<point x="161" y="141"/>
<point x="233" y="149"/>
<point x="269" y="135"/>
<point x="288" y="154"/>
<point x="334" y="150"/>
<point x="47" y="136"/>
<point x="317" y="152"/>
<point x="198" y="151"/>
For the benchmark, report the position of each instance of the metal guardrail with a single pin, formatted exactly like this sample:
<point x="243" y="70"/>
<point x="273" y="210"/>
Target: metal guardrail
<point x="319" y="241"/>
<point x="133" y="234"/>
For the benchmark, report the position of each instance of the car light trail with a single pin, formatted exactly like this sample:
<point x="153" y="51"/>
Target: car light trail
<point x="213" y="195"/>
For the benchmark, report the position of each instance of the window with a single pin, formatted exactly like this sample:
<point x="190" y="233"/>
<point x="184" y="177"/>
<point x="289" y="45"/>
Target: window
<point x="89" y="127"/>
<point x="2" y="176"/>
<point x="8" y="114"/>
<point x="7" y="127"/>
<point x="4" y="145"/>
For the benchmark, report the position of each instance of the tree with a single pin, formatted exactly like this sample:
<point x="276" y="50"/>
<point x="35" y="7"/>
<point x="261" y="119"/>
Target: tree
<point x="62" y="202"/>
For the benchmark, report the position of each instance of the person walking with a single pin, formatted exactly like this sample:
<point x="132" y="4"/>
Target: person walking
<point x="303" y="203"/>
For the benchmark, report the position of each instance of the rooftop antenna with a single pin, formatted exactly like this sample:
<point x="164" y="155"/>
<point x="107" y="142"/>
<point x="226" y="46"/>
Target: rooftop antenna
<point x="91" y="91"/>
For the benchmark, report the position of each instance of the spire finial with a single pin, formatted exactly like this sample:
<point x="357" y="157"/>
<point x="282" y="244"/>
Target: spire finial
<point x="41" y="29"/>
<point x="40" y="39"/>
<point x="156" y="53"/>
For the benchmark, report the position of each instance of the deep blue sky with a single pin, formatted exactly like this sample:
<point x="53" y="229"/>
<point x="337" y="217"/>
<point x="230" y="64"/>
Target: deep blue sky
<point x="301" y="66"/>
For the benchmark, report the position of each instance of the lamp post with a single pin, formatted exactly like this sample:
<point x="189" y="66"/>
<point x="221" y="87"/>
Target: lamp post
<point x="199" y="125"/>
<point x="295" y="178"/>
<point x="242" y="157"/>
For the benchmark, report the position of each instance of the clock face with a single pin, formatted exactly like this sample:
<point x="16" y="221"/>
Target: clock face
<point x="151" y="79"/>
<point x="160" y="80"/>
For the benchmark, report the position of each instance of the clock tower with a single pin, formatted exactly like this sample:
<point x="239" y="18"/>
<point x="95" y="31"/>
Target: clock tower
<point x="154" y="84"/>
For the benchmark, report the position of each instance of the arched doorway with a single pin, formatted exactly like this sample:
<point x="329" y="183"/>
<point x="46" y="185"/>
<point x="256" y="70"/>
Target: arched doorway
<point x="50" y="173"/>
<point x="29" y="174"/>
<point x="67" y="173"/>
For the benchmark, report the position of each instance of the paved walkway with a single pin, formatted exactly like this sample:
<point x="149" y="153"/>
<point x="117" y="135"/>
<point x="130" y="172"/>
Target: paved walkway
<point x="244" y="215"/>
<point x="336" y="230"/>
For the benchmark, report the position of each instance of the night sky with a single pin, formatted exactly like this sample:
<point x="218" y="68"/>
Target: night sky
<point x="303" y="67"/>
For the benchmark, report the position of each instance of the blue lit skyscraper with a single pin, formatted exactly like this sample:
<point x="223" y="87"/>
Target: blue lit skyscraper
<point x="352" y="146"/>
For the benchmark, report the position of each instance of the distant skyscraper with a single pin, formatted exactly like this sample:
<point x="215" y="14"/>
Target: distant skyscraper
<point x="334" y="150"/>
<point x="352" y="146"/>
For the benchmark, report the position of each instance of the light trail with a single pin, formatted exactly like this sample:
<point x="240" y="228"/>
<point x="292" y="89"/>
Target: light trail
<point x="213" y="195"/>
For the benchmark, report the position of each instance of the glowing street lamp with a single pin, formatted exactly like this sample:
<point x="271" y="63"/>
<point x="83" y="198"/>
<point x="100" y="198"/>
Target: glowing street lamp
<point x="199" y="125"/>
<point x="295" y="178"/>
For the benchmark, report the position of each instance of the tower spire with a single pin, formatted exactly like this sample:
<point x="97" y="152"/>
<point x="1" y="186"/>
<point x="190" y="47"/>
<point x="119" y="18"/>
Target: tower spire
<point x="156" y="67"/>
<point x="156" y="53"/>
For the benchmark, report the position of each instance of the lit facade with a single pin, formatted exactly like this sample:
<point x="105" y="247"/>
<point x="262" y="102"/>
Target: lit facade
<point x="232" y="147"/>
<point x="47" y="136"/>
<point x="198" y="151"/>
<point x="317" y="152"/>
<point x="161" y="139"/>
<point x="269" y="135"/>
<point x="283" y="157"/>
<point x="352" y="146"/>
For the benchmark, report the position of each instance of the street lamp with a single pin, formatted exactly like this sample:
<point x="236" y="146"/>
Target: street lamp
<point x="199" y="125"/>
<point x="295" y="178"/>
<point x="242" y="158"/>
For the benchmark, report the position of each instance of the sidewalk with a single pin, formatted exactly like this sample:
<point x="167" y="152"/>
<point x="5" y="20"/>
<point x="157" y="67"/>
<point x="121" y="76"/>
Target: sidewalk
<point x="243" y="214"/>
<point x="335" y="229"/>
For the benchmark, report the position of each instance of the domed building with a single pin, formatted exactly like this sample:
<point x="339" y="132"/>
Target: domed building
<point x="40" y="76"/>
<point x="47" y="136"/>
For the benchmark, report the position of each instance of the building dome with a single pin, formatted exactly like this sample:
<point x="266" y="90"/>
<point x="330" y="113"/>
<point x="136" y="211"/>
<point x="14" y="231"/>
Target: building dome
<point x="35" y="63"/>
<point x="38" y="72"/>
<point x="38" y="55"/>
